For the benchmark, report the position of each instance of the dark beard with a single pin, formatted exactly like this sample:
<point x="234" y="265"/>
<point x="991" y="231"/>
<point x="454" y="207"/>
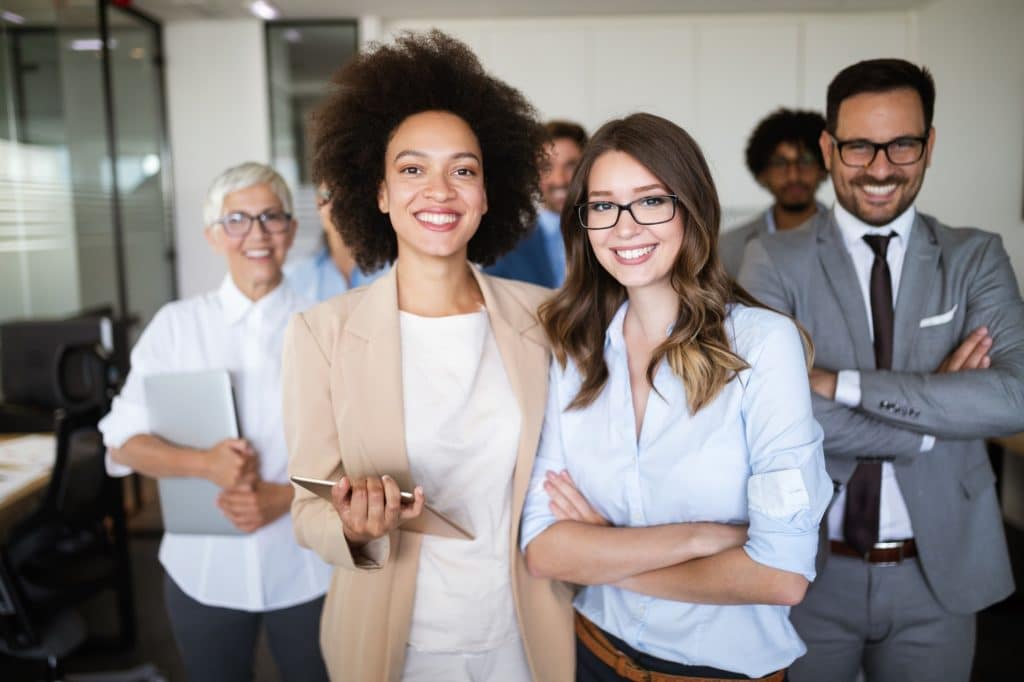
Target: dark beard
<point x="796" y="208"/>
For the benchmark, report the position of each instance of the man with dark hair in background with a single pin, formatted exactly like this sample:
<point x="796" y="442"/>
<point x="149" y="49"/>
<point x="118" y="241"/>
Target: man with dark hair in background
<point x="783" y="155"/>
<point x="918" y="331"/>
<point x="540" y="257"/>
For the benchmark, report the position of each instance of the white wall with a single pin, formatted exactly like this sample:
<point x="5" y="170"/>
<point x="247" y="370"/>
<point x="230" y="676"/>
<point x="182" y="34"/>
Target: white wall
<point x="218" y="117"/>
<point x="976" y="53"/>
<point x="716" y="75"/>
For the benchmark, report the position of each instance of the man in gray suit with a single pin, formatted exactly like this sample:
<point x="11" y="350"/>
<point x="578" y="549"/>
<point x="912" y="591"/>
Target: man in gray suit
<point x="919" y="354"/>
<point x="783" y="155"/>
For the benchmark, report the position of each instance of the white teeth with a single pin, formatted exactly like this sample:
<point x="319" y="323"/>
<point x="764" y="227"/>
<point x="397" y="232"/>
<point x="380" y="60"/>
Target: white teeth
<point x="437" y="218"/>
<point x="257" y="253"/>
<point x="633" y="254"/>
<point x="878" y="189"/>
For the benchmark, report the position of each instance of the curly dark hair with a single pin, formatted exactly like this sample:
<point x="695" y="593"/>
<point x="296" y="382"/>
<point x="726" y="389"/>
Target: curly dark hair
<point x="385" y="85"/>
<point x="799" y="128"/>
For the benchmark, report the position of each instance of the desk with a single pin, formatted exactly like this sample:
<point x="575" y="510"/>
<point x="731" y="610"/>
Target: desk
<point x="25" y="465"/>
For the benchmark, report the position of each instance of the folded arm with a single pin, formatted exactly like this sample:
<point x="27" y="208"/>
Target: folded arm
<point x="730" y="577"/>
<point x="965" y="404"/>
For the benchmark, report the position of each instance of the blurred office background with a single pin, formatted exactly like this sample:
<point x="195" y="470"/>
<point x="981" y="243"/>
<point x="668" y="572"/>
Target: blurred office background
<point x="115" y="115"/>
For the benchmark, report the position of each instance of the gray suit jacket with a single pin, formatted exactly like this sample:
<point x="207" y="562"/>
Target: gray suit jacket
<point x="953" y="281"/>
<point x="731" y="244"/>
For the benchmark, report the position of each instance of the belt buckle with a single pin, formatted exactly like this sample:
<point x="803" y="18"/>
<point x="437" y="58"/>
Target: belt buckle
<point x="897" y="545"/>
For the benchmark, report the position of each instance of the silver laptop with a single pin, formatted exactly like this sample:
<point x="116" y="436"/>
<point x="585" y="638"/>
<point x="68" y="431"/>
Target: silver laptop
<point x="196" y="410"/>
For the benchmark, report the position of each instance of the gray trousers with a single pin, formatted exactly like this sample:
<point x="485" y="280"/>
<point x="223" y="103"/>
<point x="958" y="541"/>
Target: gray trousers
<point x="882" y="619"/>
<point x="219" y="645"/>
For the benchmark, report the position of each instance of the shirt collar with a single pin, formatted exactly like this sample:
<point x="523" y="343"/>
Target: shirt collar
<point x="237" y="305"/>
<point x="615" y="335"/>
<point x="853" y="229"/>
<point x="550" y="222"/>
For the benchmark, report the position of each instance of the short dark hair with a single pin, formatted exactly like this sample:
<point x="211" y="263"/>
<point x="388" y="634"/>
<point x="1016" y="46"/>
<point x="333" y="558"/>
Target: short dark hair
<point x="799" y="128"/>
<point x="880" y="75"/>
<point x="559" y="129"/>
<point x="376" y="92"/>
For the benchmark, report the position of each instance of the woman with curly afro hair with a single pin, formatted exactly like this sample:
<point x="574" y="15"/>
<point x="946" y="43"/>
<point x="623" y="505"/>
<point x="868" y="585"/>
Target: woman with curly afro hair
<point x="432" y="380"/>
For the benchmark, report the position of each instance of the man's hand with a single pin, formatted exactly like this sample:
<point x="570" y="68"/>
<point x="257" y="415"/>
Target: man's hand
<point x="567" y="503"/>
<point x="252" y="506"/>
<point x="231" y="462"/>
<point x="972" y="353"/>
<point x="823" y="382"/>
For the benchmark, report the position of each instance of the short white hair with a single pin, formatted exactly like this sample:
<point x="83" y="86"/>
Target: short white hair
<point x="243" y="176"/>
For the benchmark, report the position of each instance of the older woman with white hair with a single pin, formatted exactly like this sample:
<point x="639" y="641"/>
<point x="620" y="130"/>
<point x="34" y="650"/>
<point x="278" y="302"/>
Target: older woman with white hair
<point x="219" y="589"/>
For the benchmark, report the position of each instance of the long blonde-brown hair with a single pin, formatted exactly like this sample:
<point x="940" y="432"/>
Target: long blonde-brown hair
<point x="576" y="318"/>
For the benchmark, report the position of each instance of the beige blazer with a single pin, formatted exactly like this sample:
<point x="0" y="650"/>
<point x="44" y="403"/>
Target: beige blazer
<point x="342" y="378"/>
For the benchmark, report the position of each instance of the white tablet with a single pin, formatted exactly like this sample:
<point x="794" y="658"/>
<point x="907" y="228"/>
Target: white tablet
<point x="195" y="410"/>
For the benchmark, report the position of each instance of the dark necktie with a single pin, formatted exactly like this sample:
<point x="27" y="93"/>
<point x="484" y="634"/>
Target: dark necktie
<point x="864" y="490"/>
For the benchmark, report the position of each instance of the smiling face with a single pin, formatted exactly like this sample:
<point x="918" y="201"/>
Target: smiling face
<point x="882" y="191"/>
<point x="563" y="157"/>
<point x="433" y="188"/>
<point x="255" y="260"/>
<point x="637" y="256"/>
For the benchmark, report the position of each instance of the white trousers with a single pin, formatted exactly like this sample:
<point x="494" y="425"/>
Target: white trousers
<point x="507" y="663"/>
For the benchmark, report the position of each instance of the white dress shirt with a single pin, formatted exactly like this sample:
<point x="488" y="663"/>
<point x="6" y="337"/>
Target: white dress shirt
<point x="893" y="517"/>
<point x="753" y="455"/>
<point x="462" y="426"/>
<point x="264" y="570"/>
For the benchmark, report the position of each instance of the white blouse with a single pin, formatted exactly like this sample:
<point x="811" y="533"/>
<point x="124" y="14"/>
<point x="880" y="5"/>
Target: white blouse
<point x="462" y="426"/>
<point x="264" y="570"/>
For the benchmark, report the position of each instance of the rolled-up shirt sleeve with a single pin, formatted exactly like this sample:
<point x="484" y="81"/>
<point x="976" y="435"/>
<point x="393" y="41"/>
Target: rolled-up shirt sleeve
<point x="537" y="516"/>
<point x="128" y="416"/>
<point x="789" y="488"/>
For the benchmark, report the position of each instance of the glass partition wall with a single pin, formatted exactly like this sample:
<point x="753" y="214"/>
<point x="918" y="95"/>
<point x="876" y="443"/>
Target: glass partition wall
<point x="84" y="182"/>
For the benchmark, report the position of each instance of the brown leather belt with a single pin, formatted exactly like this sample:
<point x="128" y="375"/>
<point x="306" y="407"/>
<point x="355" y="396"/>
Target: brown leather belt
<point x="884" y="553"/>
<point x="592" y="638"/>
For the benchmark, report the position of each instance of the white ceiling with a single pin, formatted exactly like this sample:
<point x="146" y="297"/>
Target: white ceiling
<point x="298" y="9"/>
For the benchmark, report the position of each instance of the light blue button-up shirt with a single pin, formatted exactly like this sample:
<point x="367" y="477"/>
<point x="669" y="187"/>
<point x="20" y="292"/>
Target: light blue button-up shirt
<point x="753" y="455"/>
<point x="318" y="278"/>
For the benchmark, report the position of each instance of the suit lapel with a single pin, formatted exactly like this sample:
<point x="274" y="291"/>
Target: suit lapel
<point x="920" y="267"/>
<point x="373" y="334"/>
<point x="838" y="267"/>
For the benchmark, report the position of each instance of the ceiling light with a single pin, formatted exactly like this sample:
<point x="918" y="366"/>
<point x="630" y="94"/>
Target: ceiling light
<point x="264" y="10"/>
<point x="12" y="17"/>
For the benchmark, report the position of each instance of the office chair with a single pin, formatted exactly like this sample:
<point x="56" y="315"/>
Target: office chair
<point x="74" y="545"/>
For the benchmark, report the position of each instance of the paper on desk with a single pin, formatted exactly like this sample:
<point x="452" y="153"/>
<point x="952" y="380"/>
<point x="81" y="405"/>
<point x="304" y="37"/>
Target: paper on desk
<point x="23" y="459"/>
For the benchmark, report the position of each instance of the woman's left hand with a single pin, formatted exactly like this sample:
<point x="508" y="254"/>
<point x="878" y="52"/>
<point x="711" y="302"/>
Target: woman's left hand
<point x="250" y="506"/>
<point x="567" y="503"/>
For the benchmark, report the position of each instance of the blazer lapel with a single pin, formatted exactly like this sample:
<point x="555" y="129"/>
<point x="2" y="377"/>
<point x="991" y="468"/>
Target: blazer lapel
<point x="920" y="268"/>
<point x="372" y="353"/>
<point x="523" y="348"/>
<point x="838" y="267"/>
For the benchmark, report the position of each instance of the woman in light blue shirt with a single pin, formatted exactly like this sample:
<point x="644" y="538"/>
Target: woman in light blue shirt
<point x="680" y="478"/>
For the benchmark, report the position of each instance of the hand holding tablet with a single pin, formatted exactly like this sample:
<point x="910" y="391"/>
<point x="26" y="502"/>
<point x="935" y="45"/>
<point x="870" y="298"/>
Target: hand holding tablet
<point x="365" y="513"/>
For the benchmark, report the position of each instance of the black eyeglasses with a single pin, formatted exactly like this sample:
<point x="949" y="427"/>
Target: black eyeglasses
<point x="602" y="215"/>
<point x="780" y="164"/>
<point x="238" y="223"/>
<point x="902" y="151"/>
